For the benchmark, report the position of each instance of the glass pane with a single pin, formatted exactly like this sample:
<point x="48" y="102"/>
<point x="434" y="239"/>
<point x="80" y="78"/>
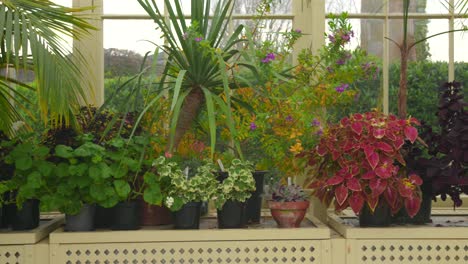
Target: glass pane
<point x="270" y="29"/>
<point x="249" y="7"/>
<point x="126" y="7"/>
<point x="124" y="47"/>
<point x="461" y="42"/>
<point x="427" y="70"/>
<point x="419" y="6"/>
<point x="461" y="59"/>
<point x="355" y="6"/>
<point x="368" y="36"/>
<point x="67" y="3"/>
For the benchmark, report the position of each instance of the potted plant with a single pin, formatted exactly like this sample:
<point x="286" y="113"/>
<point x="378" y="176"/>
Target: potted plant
<point x="133" y="175"/>
<point x="359" y="165"/>
<point x="288" y="205"/>
<point x="72" y="188"/>
<point x="232" y="194"/>
<point x="446" y="166"/>
<point x="185" y="194"/>
<point x="26" y="184"/>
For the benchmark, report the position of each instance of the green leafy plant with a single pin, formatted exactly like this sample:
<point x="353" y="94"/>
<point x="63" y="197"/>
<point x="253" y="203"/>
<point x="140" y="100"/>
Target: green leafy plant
<point x="79" y="177"/>
<point x="200" y="65"/>
<point x="184" y="189"/>
<point x="30" y="169"/>
<point x="133" y="171"/>
<point x="31" y="39"/>
<point x="238" y="185"/>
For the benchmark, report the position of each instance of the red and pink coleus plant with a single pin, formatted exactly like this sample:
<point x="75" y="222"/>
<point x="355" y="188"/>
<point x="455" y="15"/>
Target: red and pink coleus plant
<point x="359" y="161"/>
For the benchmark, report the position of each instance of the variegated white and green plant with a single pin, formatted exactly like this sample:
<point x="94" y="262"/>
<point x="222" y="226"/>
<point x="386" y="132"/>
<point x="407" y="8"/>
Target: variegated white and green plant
<point x="182" y="189"/>
<point x="239" y="184"/>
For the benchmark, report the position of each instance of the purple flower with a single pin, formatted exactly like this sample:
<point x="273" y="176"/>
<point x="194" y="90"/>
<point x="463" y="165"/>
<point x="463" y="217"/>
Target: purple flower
<point x="330" y="69"/>
<point x="331" y="38"/>
<point x="198" y="39"/>
<point x="315" y="122"/>
<point x="269" y="57"/>
<point x="340" y="62"/>
<point x="298" y="31"/>
<point x="319" y="132"/>
<point x="253" y="126"/>
<point x="185" y="35"/>
<point x="289" y="118"/>
<point x="341" y="88"/>
<point x="346" y="37"/>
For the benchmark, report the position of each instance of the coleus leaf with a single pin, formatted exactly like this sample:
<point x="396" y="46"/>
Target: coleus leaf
<point x="415" y="179"/>
<point x="341" y="194"/>
<point x="322" y="149"/>
<point x="335" y="180"/>
<point x="368" y="175"/>
<point x="412" y="205"/>
<point x="372" y="202"/>
<point x="377" y="186"/>
<point x="398" y="143"/>
<point x="384" y="171"/>
<point x="373" y="159"/>
<point x="354" y="185"/>
<point x="356" y="201"/>
<point x="391" y="196"/>
<point x="384" y="147"/>
<point x="411" y="133"/>
<point x="357" y="127"/>
<point x="378" y="133"/>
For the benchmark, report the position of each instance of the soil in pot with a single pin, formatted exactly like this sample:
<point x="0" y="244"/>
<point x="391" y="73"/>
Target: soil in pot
<point x="254" y="203"/>
<point x="103" y="217"/>
<point x="381" y="217"/>
<point x="83" y="221"/>
<point x="188" y="217"/>
<point x="232" y="215"/>
<point x="154" y="215"/>
<point x="126" y="216"/>
<point x="288" y="214"/>
<point x="26" y="217"/>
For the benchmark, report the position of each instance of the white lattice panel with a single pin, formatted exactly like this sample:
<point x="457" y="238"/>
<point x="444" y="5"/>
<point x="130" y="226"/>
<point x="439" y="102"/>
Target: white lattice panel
<point x="411" y="251"/>
<point x="11" y="254"/>
<point x="192" y="252"/>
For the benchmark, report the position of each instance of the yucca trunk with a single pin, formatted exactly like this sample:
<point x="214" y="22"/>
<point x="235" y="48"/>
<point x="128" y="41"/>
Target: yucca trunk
<point x="188" y="113"/>
<point x="403" y="91"/>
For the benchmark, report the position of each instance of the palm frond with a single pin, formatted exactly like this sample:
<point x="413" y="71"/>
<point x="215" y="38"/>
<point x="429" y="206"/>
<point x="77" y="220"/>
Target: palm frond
<point x="32" y="39"/>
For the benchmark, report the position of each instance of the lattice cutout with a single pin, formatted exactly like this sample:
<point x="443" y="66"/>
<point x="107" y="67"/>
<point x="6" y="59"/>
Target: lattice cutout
<point x="232" y="252"/>
<point x="413" y="251"/>
<point x="11" y="254"/>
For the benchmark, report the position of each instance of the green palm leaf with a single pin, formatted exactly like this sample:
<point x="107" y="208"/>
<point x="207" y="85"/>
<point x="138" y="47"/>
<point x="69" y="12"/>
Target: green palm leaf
<point x="32" y="34"/>
<point x="201" y="53"/>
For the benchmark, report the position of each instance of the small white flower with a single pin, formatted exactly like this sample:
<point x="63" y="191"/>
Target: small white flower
<point x="17" y="125"/>
<point x="169" y="201"/>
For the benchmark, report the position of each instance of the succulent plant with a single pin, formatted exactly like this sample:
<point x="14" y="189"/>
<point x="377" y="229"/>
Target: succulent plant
<point x="288" y="193"/>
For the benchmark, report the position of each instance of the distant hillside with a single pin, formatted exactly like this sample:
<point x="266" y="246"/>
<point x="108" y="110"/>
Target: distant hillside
<point x="119" y="62"/>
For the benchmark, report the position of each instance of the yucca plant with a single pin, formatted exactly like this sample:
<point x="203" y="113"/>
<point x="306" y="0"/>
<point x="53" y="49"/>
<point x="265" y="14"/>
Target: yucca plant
<point x="32" y="39"/>
<point x="201" y="60"/>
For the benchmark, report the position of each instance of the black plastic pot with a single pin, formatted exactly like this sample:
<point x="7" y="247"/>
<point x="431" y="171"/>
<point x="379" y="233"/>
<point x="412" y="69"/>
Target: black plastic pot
<point x="424" y="214"/>
<point x="380" y="218"/>
<point x="83" y="221"/>
<point x="103" y="217"/>
<point x="188" y="217"/>
<point x="254" y="203"/>
<point x="126" y="216"/>
<point x="26" y="217"/>
<point x="232" y="215"/>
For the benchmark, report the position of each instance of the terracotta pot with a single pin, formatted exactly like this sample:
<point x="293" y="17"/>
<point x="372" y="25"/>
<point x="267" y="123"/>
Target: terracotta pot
<point x="153" y="215"/>
<point x="288" y="214"/>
